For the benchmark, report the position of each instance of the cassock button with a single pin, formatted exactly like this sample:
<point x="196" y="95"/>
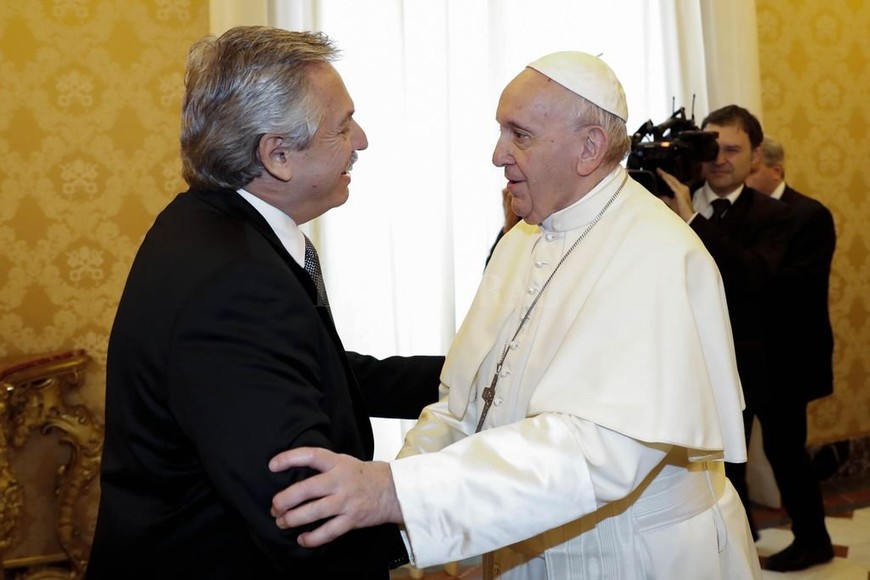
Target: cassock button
<point x="533" y="291"/>
<point x="497" y="402"/>
<point x="550" y="237"/>
<point x="514" y="345"/>
<point x="540" y="263"/>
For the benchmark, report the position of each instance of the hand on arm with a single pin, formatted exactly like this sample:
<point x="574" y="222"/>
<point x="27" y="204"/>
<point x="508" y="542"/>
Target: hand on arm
<point x="510" y="218"/>
<point x="351" y="493"/>
<point x="681" y="202"/>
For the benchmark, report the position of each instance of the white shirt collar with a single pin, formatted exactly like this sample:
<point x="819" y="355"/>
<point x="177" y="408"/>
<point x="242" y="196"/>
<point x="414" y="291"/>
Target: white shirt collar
<point x="780" y="189"/>
<point x="702" y="198"/>
<point x="285" y="228"/>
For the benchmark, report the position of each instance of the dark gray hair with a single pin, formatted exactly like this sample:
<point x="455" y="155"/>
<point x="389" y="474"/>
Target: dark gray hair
<point x="737" y="116"/>
<point x="250" y="81"/>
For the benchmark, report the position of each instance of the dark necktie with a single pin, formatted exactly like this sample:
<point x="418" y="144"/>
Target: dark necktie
<point x="720" y="206"/>
<point x="312" y="266"/>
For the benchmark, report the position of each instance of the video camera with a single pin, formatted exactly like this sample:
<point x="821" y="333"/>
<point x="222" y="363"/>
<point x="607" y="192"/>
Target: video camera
<point x="677" y="146"/>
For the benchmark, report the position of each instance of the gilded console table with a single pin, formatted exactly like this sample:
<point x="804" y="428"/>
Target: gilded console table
<point x="33" y="397"/>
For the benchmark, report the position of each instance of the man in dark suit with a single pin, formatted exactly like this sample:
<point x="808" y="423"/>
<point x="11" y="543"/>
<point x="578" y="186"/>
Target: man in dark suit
<point x="223" y="350"/>
<point x="746" y="232"/>
<point x="800" y="345"/>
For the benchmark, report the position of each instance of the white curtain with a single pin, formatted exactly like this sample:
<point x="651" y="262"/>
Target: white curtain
<point x="403" y="257"/>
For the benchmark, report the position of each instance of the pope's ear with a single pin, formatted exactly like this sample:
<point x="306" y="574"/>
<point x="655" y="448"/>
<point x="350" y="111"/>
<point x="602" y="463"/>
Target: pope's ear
<point x="275" y="156"/>
<point x="592" y="150"/>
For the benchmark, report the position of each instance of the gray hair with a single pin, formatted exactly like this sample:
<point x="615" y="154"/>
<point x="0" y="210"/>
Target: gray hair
<point x="772" y="152"/>
<point x="618" y="141"/>
<point x="250" y="81"/>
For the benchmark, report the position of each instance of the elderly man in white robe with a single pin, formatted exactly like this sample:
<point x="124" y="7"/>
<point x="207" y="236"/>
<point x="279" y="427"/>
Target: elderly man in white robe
<point x="591" y="393"/>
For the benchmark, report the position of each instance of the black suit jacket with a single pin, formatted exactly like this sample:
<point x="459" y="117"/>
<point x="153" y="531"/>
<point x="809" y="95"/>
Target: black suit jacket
<point x="749" y="246"/>
<point x="218" y="359"/>
<point x="798" y="325"/>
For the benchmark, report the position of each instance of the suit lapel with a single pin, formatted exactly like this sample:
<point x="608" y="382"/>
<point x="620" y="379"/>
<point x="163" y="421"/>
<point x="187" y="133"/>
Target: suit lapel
<point x="233" y="204"/>
<point x="230" y="202"/>
<point x="735" y="217"/>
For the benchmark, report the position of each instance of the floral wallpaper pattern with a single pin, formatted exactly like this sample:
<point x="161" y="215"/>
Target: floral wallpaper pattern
<point x="815" y="79"/>
<point x="91" y="93"/>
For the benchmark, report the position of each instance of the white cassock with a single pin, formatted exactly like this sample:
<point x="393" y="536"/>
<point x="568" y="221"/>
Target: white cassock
<point x="601" y="455"/>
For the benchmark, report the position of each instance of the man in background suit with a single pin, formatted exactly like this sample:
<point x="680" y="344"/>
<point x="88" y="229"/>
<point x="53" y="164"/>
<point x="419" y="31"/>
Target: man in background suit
<point x="223" y="351"/>
<point x="800" y="347"/>
<point x="747" y="238"/>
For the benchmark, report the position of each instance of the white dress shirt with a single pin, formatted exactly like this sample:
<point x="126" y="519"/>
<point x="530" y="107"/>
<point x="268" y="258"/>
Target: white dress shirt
<point x="285" y="228"/>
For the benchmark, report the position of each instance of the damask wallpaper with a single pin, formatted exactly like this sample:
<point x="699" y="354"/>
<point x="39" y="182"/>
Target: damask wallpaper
<point x="89" y="99"/>
<point x="90" y="94"/>
<point x="815" y="79"/>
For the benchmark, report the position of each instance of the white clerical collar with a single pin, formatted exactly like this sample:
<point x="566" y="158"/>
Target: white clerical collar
<point x="584" y="210"/>
<point x="285" y="228"/>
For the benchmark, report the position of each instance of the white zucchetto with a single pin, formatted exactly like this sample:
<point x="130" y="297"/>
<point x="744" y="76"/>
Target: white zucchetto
<point x="587" y="76"/>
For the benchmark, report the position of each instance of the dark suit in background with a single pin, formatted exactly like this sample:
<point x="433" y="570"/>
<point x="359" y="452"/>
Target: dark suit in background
<point x="800" y="344"/>
<point x="748" y="245"/>
<point x="799" y="324"/>
<point x="800" y="347"/>
<point x="775" y="259"/>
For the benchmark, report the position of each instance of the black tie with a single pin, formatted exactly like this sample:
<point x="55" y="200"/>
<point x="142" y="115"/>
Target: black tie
<point x="720" y="206"/>
<point x="312" y="266"/>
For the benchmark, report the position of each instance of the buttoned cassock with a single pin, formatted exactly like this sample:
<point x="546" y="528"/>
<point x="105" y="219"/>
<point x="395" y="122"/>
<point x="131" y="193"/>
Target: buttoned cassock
<point x="600" y="456"/>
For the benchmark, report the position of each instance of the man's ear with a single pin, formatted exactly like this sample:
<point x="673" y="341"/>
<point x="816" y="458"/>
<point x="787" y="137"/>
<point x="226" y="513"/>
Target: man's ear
<point x="275" y="156"/>
<point x="757" y="157"/>
<point x="780" y="170"/>
<point x="592" y="150"/>
<point x="755" y="163"/>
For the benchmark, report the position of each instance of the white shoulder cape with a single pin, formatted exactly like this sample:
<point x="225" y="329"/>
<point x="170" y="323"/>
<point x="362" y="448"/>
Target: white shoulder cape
<point x="640" y="342"/>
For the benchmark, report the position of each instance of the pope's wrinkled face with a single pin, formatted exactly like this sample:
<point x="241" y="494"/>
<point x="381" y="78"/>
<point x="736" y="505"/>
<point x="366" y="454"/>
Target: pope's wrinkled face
<point x="539" y="145"/>
<point x="734" y="162"/>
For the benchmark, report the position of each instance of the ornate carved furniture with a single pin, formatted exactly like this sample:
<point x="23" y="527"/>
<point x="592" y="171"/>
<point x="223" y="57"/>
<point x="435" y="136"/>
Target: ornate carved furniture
<point x="34" y="399"/>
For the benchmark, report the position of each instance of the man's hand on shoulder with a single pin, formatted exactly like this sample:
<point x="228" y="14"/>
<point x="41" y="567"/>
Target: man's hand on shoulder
<point x="349" y="492"/>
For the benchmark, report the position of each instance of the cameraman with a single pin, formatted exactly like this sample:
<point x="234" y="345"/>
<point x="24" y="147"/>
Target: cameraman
<point x="747" y="238"/>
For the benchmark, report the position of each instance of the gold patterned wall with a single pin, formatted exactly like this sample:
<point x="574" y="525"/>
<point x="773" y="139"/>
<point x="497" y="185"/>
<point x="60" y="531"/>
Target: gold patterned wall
<point x="815" y="79"/>
<point x="90" y="93"/>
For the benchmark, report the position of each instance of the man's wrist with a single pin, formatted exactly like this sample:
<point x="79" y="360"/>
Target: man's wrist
<point x="392" y="511"/>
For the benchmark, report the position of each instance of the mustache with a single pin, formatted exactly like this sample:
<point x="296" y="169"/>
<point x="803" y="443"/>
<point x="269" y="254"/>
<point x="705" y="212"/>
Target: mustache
<point x="353" y="158"/>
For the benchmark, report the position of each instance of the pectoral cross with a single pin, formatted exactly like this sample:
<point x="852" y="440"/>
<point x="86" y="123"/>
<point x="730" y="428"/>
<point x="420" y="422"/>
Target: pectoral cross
<point x="488" y="396"/>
